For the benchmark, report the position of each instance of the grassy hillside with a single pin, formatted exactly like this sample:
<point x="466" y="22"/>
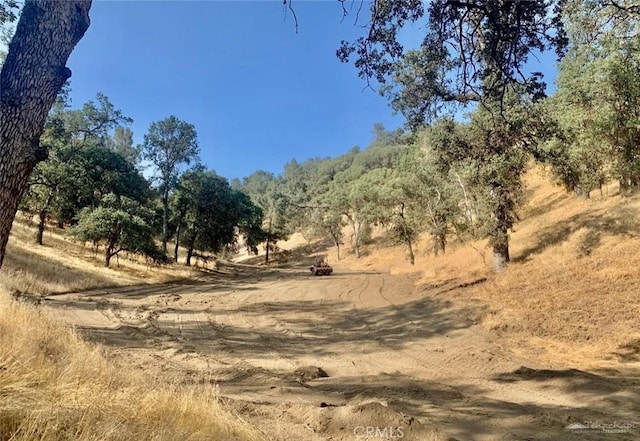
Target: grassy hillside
<point x="572" y="291"/>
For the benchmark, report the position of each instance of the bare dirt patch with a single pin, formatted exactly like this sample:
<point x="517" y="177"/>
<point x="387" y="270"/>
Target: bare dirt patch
<point x="399" y="359"/>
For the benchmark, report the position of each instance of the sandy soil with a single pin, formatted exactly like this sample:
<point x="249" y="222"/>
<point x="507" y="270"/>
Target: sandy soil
<point x="401" y="362"/>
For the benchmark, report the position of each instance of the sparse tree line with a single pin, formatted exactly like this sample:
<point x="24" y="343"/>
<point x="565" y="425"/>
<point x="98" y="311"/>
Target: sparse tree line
<point x="476" y="113"/>
<point x="461" y="175"/>
<point x="93" y="184"/>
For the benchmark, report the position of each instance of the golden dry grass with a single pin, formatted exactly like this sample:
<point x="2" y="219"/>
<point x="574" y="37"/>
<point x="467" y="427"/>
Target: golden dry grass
<point x="64" y="266"/>
<point x="572" y="291"/>
<point x="54" y="386"/>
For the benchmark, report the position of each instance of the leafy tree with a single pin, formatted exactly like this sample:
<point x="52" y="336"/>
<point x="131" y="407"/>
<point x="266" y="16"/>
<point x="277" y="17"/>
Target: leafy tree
<point x="473" y="52"/>
<point x="119" y="224"/>
<point x="358" y="201"/>
<point x="425" y="199"/>
<point x="33" y="73"/>
<point x="169" y="144"/>
<point x="122" y="142"/>
<point x="80" y="169"/>
<point x="209" y="212"/>
<point x="596" y="106"/>
<point x="264" y="189"/>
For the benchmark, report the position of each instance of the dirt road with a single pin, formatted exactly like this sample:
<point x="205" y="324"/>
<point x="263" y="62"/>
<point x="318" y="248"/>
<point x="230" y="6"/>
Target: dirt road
<point x="401" y="362"/>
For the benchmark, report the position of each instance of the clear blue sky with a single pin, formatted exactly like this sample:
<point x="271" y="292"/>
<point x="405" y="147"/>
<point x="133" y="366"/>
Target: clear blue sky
<point x="258" y="93"/>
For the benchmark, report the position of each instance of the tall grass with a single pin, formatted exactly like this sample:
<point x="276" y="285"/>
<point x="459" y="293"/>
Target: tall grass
<point x="54" y="386"/>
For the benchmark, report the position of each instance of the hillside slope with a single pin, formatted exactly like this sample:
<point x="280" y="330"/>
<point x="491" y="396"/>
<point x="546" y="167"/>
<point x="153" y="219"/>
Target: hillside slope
<point x="572" y="291"/>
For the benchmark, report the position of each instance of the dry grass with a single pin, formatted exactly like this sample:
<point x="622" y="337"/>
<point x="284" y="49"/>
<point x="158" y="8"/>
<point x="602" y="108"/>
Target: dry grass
<point x="54" y="386"/>
<point x="63" y="266"/>
<point x="572" y="291"/>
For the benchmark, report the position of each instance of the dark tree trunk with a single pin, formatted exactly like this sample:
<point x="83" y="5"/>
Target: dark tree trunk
<point x="32" y="75"/>
<point x="42" y="219"/>
<point x="175" y="250"/>
<point x="268" y="245"/>
<point x="501" y="253"/>
<point x="165" y="217"/>
<point x="109" y="251"/>
<point x="191" y="247"/>
<point x="412" y="257"/>
<point x="107" y="257"/>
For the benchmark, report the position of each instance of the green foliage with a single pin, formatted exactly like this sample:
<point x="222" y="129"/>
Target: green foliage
<point x="169" y="144"/>
<point x="119" y="224"/>
<point x="426" y="199"/>
<point x="596" y="108"/>
<point x="9" y="10"/>
<point x="471" y="51"/>
<point x="266" y="191"/>
<point x="80" y="168"/>
<point x="208" y="213"/>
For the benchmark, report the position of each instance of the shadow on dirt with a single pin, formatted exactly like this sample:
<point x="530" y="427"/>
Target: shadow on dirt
<point x="318" y="328"/>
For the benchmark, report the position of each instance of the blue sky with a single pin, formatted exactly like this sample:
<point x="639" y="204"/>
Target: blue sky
<point x="258" y="93"/>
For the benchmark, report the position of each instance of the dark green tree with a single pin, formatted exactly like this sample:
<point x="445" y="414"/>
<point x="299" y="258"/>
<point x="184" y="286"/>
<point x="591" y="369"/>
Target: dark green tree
<point x="596" y="107"/>
<point x="80" y="169"/>
<point x="265" y="190"/>
<point x="119" y="224"/>
<point x="169" y="144"/>
<point x="473" y="52"/>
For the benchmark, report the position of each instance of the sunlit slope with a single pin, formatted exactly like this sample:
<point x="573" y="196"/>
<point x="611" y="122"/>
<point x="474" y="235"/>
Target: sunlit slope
<point x="65" y="266"/>
<point x="572" y="291"/>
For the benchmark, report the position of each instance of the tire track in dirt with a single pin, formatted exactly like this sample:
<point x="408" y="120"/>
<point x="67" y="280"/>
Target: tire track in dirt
<point x="379" y="338"/>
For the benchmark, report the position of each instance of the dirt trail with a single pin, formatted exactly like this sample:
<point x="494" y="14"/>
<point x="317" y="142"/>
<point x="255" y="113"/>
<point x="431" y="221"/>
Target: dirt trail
<point x="401" y="362"/>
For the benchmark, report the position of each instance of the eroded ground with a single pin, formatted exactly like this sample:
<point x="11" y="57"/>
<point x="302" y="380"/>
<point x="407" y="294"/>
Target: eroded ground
<point x="402" y="362"/>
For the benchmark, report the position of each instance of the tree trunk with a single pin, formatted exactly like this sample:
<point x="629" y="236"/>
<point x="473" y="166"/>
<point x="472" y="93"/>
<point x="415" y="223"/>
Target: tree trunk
<point x="412" y="257"/>
<point x="581" y="193"/>
<point x="42" y="219"/>
<point x="356" y="236"/>
<point x="175" y="250"/>
<point x="628" y="185"/>
<point x="32" y="75"/>
<point x="191" y="247"/>
<point x="268" y="245"/>
<point x="109" y="251"/>
<point x="501" y="253"/>
<point x="165" y="217"/>
<point x="107" y="257"/>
